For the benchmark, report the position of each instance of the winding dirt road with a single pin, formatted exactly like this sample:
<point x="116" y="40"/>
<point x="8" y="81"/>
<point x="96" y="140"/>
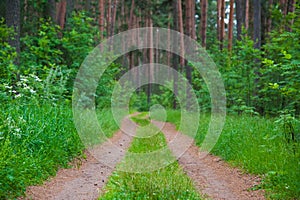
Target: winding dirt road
<point x="212" y="176"/>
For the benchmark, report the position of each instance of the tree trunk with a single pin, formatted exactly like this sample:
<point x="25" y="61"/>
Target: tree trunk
<point x="151" y="66"/>
<point x="291" y="9"/>
<point x="283" y="6"/>
<point x="114" y="14"/>
<point x="239" y="18"/>
<point x="257" y="24"/>
<point x="204" y="4"/>
<point x="193" y="10"/>
<point x="169" y="41"/>
<point x="269" y="20"/>
<point x="219" y="3"/>
<point x="61" y="14"/>
<point x="257" y="42"/>
<point x="13" y="21"/>
<point x="247" y="15"/>
<point x="187" y="66"/>
<point x="101" y="18"/>
<point x="230" y="26"/>
<point x="131" y="26"/>
<point x="175" y="57"/>
<point x="51" y="9"/>
<point x="156" y="47"/>
<point x="108" y="18"/>
<point x="180" y="24"/>
<point x="188" y="25"/>
<point x="131" y="15"/>
<point x="222" y="24"/>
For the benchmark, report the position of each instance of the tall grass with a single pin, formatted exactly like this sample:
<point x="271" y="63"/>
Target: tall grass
<point x="35" y="140"/>
<point x="257" y="145"/>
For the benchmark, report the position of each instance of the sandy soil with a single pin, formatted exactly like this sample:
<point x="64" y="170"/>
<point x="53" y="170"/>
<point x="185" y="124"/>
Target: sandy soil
<point x="212" y="176"/>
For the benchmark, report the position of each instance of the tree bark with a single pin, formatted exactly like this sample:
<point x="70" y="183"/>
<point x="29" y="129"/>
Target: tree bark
<point x="222" y="24"/>
<point x="169" y="41"/>
<point x="247" y="15"/>
<point x="257" y="24"/>
<point x="175" y="57"/>
<point x="193" y="21"/>
<point x="291" y="9"/>
<point x="204" y="4"/>
<point x="114" y="14"/>
<point x="131" y="26"/>
<point x="61" y="14"/>
<point x="188" y="68"/>
<point x="180" y="24"/>
<point x="188" y="25"/>
<point x="101" y="18"/>
<point x="108" y="18"/>
<point x="230" y="26"/>
<point x="151" y="66"/>
<point x="131" y="15"/>
<point x="269" y="20"/>
<point x="13" y="21"/>
<point x="219" y="3"/>
<point x="239" y="17"/>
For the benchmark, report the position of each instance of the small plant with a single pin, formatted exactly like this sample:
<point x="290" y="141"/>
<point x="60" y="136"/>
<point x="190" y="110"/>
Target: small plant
<point x="290" y="127"/>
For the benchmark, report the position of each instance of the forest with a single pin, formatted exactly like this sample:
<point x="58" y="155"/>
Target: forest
<point x="254" y="45"/>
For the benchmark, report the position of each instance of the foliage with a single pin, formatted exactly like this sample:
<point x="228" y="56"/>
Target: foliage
<point x="7" y="53"/>
<point x="280" y="72"/>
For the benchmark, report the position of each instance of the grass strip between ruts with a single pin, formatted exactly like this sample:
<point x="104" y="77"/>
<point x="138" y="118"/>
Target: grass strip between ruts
<point x="165" y="183"/>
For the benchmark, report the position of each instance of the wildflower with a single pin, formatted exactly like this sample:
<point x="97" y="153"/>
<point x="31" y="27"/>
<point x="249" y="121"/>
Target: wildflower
<point x="32" y="91"/>
<point x="18" y="96"/>
<point x="8" y="87"/>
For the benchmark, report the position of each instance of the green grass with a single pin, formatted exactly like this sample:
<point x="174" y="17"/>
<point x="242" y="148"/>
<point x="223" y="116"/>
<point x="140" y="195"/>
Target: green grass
<point x="166" y="183"/>
<point x="107" y="122"/>
<point x="258" y="146"/>
<point x="141" y="119"/>
<point x="36" y="140"/>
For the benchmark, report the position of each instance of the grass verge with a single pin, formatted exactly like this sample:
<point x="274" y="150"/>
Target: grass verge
<point x="36" y="140"/>
<point x="258" y="146"/>
<point x="166" y="183"/>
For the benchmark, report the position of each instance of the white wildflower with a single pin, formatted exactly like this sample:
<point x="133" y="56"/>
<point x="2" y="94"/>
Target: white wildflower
<point x="18" y="96"/>
<point x="8" y="87"/>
